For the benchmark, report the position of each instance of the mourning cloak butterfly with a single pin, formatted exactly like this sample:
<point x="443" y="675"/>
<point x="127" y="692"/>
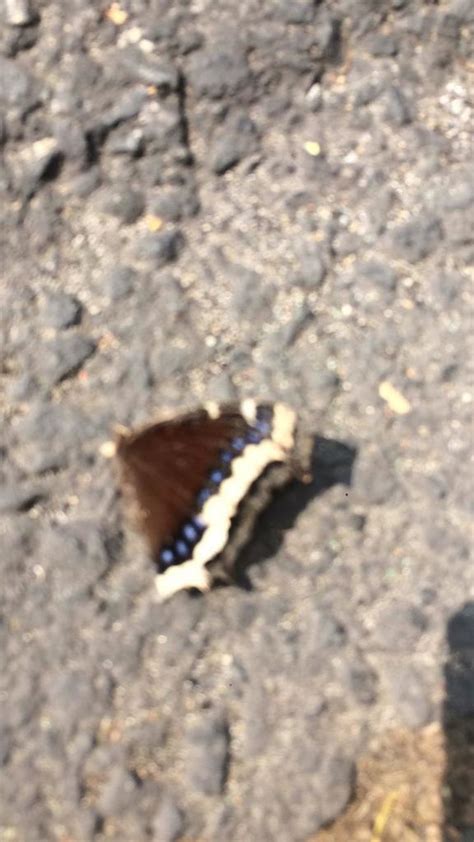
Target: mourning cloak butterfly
<point x="196" y="483"/>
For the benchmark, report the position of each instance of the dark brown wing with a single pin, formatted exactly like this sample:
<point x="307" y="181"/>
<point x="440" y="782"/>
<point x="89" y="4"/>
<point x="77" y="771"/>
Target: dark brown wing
<point x="165" y="465"/>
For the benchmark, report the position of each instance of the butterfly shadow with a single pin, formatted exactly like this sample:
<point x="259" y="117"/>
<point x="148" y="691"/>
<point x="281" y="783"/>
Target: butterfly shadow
<point x="331" y="464"/>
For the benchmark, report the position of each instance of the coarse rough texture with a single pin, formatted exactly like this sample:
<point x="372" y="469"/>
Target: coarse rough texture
<point x="220" y="200"/>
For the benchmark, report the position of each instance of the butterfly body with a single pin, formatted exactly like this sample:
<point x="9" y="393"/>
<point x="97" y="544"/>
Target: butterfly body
<point x="188" y="481"/>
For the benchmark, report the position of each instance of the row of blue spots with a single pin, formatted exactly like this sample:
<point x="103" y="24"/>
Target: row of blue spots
<point x="254" y="435"/>
<point x="182" y="547"/>
<point x="191" y="532"/>
<point x="217" y="475"/>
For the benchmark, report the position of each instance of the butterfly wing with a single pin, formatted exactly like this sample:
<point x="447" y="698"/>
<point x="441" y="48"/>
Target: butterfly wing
<point x="188" y="480"/>
<point x="165" y="466"/>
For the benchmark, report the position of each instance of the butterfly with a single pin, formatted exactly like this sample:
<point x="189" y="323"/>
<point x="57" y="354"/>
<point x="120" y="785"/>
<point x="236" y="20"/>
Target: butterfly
<point x="195" y="483"/>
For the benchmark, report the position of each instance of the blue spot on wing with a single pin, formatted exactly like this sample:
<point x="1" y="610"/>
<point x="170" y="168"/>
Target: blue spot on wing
<point x="192" y="529"/>
<point x="167" y="557"/>
<point x="203" y="495"/>
<point x="190" y="532"/>
<point x="182" y="549"/>
<point x="238" y="444"/>
<point x="263" y="427"/>
<point x="254" y="436"/>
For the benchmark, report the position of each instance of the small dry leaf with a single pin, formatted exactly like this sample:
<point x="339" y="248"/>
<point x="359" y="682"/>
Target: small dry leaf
<point x="115" y="14"/>
<point x="312" y="147"/>
<point x="395" y="400"/>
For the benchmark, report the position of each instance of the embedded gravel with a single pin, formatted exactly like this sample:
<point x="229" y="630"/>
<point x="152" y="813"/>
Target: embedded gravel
<point x="215" y="200"/>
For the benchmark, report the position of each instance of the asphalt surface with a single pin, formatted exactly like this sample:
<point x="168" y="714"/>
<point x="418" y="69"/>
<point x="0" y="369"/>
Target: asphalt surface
<point x="213" y="200"/>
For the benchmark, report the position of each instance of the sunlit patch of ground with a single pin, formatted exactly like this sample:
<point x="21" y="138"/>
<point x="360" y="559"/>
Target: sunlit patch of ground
<point x="399" y="792"/>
